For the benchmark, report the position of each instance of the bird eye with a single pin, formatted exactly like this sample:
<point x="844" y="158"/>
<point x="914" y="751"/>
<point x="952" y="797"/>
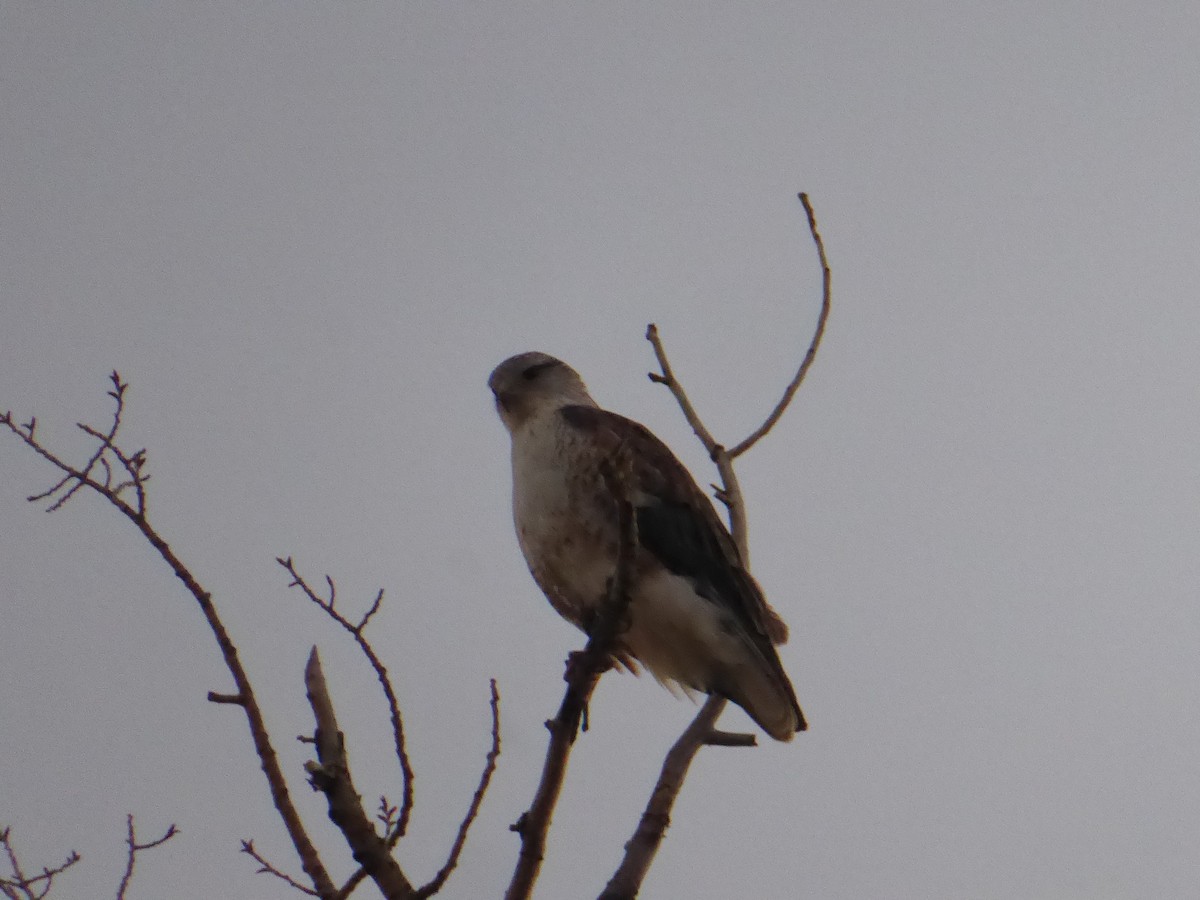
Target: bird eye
<point x="532" y="372"/>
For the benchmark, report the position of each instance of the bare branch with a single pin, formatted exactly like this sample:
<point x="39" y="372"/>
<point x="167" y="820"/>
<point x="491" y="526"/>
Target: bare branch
<point x="331" y="776"/>
<point x="230" y="699"/>
<point x="134" y="847"/>
<point x="730" y="739"/>
<point x="667" y="379"/>
<point x="484" y="780"/>
<point x="813" y="346"/>
<point x="381" y="673"/>
<point x="29" y="887"/>
<point x="378" y="602"/>
<point x="641" y="848"/>
<point x="583" y="672"/>
<point x="26" y="434"/>
<point x="133" y="464"/>
<point x="309" y="858"/>
<point x="729" y="492"/>
<point x="265" y="868"/>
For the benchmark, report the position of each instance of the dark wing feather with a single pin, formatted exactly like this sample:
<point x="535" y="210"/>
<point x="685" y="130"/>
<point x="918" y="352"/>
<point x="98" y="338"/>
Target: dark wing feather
<point x="678" y="525"/>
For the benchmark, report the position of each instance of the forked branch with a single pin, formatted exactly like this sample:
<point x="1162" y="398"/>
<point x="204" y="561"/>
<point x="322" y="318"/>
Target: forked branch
<point x="330" y="775"/>
<point x="133" y="847"/>
<point x="20" y="886"/>
<point x="641" y="848"/>
<point x="328" y="603"/>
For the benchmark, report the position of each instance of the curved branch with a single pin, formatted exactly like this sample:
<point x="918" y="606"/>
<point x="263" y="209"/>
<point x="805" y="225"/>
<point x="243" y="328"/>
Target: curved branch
<point x="813" y="345"/>
<point x="118" y="394"/>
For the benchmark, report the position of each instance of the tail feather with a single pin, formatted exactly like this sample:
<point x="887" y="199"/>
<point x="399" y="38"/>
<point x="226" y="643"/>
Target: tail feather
<point x="766" y="694"/>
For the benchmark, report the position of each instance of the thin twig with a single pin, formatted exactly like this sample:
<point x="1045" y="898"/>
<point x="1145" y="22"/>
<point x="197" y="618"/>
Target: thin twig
<point x="667" y="378"/>
<point x="132" y="464"/>
<point x="473" y="810"/>
<point x="118" y="394"/>
<point x="381" y="673"/>
<point x="26" y="434"/>
<point x="265" y="868"/>
<point x="134" y="848"/>
<point x="583" y="673"/>
<point x="29" y="887"/>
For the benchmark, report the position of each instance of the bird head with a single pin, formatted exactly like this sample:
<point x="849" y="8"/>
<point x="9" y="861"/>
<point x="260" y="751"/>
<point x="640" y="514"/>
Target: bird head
<point x="531" y="383"/>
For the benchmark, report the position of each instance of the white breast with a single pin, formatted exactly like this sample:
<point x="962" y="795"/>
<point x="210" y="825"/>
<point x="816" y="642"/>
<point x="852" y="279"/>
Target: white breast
<point x="559" y="531"/>
<point x="540" y="487"/>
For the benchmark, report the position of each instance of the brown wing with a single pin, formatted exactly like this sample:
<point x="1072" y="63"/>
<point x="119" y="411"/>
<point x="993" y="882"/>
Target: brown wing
<point x="678" y="525"/>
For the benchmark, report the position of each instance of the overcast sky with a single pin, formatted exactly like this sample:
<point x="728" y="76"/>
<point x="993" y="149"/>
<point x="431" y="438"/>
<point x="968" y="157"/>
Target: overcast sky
<point x="306" y="233"/>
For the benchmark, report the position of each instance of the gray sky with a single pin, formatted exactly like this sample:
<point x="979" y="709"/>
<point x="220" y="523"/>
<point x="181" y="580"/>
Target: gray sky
<point x="306" y="234"/>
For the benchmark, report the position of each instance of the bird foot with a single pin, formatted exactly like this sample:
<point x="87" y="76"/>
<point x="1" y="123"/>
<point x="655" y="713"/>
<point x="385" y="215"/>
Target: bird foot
<point x="579" y="661"/>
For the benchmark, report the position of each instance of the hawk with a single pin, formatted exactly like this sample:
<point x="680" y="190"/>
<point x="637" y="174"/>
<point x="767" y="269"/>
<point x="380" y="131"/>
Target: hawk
<point x="697" y="618"/>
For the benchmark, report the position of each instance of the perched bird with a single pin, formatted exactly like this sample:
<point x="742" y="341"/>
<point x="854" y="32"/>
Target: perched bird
<point x="696" y="617"/>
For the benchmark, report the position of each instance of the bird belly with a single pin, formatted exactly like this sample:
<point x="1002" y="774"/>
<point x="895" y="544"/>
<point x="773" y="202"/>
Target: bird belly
<point x="678" y="635"/>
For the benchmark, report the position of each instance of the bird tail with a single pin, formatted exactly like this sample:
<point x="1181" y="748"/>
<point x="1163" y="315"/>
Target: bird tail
<point x="766" y="694"/>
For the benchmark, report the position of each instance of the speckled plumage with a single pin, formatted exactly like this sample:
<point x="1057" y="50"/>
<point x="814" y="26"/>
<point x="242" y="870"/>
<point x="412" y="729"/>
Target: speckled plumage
<point x="697" y="618"/>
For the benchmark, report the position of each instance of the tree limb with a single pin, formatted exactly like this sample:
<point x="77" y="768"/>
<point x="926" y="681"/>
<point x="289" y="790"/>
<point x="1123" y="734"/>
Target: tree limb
<point x="331" y="776"/>
<point x="134" y="466"/>
<point x="642" y="847"/>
